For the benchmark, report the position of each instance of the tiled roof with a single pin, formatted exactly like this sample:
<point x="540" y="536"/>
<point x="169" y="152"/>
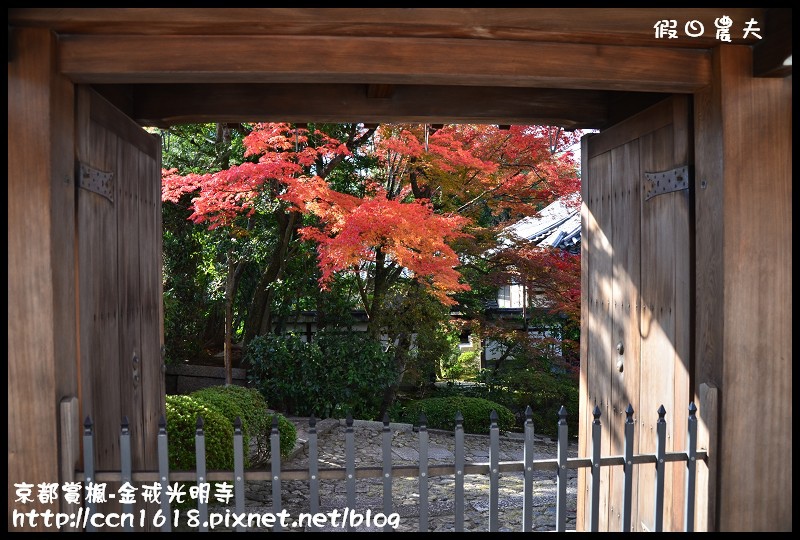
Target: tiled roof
<point x="556" y="225"/>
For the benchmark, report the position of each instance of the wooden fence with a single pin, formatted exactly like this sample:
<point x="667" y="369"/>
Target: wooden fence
<point x="423" y="471"/>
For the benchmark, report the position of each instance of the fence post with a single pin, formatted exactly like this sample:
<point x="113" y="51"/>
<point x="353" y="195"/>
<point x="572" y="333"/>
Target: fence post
<point x="561" y="501"/>
<point x="275" y="457"/>
<point x="238" y="469"/>
<point x="125" y="469"/>
<point x="70" y="450"/>
<point x="387" y="470"/>
<point x="691" y="469"/>
<point x="200" y="458"/>
<point x="594" y="508"/>
<point x="163" y="472"/>
<point x="88" y="470"/>
<point x="494" y="472"/>
<point x="661" y="446"/>
<point x="527" y="464"/>
<point x="313" y="469"/>
<point x="350" y="465"/>
<point x="423" y="472"/>
<point x="627" y="492"/>
<point x="459" y="477"/>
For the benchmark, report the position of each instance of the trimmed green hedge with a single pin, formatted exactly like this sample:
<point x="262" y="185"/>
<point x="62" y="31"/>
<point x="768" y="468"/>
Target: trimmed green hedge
<point x="250" y="406"/>
<point x="182" y="413"/>
<point x="441" y="413"/>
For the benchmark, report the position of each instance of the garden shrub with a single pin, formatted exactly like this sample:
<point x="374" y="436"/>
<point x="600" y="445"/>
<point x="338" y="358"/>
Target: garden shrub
<point x="544" y="391"/>
<point x="441" y="413"/>
<point x="250" y="406"/>
<point x="182" y="413"/>
<point x="287" y="433"/>
<point x="338" y="373"/>
<point x="465" y="366"/>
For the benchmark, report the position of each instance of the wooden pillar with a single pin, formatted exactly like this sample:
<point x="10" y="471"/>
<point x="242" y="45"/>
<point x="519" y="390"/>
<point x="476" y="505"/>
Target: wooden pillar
<point x="41" y="285"/>
<point x="743" y="340"/>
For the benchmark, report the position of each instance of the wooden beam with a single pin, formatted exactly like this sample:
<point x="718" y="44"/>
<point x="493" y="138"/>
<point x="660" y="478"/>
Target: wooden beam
<point x="379" y="91"/>
<point x="618" y="26"/>
<point x="99" y="59"/>
<point x="163" y="105"/>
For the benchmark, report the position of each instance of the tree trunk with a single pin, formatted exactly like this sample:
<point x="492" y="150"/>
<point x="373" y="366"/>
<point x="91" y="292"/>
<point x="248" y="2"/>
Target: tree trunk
<point x="401" y="352"/>
<point x="259" y="316"/>
<point x="229" y="289"/>
<point x="234" y="275"/>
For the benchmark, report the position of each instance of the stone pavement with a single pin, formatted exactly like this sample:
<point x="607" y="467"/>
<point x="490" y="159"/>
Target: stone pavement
<point x="369" y="491"/>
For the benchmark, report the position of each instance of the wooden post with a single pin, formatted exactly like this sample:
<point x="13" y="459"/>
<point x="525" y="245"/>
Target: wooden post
<point x="707" y="469"/>
<point x="70" y="451"/>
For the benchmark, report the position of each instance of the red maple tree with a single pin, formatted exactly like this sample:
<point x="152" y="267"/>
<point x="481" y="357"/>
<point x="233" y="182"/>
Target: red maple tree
<point x="425" y="192"/>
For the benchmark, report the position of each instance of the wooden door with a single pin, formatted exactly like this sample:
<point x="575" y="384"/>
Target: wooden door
<point x="119" y="238"/>
<point x="636" y="303"/>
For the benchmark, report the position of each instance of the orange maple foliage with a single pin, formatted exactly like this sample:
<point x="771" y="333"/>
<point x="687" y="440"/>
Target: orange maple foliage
<point x="222" y="196"/>
<point x="514" y="171"/>
<point x="427" y="185"/>
<point x="353" y="229"/>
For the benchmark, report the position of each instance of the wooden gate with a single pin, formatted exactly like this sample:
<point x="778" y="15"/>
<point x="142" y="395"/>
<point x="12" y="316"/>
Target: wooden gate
<point x="636" y="299"/>
<point x="119" y="278"/>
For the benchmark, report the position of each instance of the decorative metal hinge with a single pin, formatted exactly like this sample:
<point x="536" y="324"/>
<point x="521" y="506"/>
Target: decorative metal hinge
<point x="96" y="181"/>
<point x="667" y="181"/>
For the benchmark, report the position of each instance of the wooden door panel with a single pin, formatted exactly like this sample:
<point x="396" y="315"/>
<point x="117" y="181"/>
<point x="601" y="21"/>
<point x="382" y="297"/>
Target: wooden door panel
<point x="636" y="266"/>
<point x="626" y="199"/>
<point x="597" y="310"/>
<point x="119" y="274"/>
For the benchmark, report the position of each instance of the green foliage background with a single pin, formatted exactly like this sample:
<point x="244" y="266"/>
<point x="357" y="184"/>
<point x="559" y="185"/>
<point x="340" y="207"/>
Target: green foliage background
<point x="441" y="413"/>
<point x="339" y="372"/>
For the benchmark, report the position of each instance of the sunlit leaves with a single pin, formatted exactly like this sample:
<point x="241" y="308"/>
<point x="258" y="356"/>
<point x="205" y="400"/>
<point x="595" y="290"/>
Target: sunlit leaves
<point x="422" y="192"/>
<point x="352" y="230"/>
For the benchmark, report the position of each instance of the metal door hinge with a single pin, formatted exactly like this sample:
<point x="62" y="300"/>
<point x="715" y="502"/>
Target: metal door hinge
<point x="96" y="181"/>
<point x="666" y="181"/>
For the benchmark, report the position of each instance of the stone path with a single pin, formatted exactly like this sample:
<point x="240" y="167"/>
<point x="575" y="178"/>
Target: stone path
<point x="369" y="491"/>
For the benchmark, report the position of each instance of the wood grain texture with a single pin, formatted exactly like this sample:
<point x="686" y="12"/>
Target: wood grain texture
<point x="585" y="405"/>
<point x="598" y="313"/>
<point x="167" y="104"/>
<point x="709" y="185"/>
<point x="121" y="59"/>
<point x="626" y="281"/>
<point x="32" y="405"/>
<point x="683" y="226"/>
<point x="70" y="450"/>
<point x="743" y="277"/>
<point x="120" y="269"/>
<point x="152" y="338"/>
<point x="647" y="278"/>
<point x="62" y="205"/>
<point x="756" y="412"/>
<point x="99" y="286"/>
<point x="629" y="26"/>
<point x="707" y="439"/>
<point x="658" y="321"/>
